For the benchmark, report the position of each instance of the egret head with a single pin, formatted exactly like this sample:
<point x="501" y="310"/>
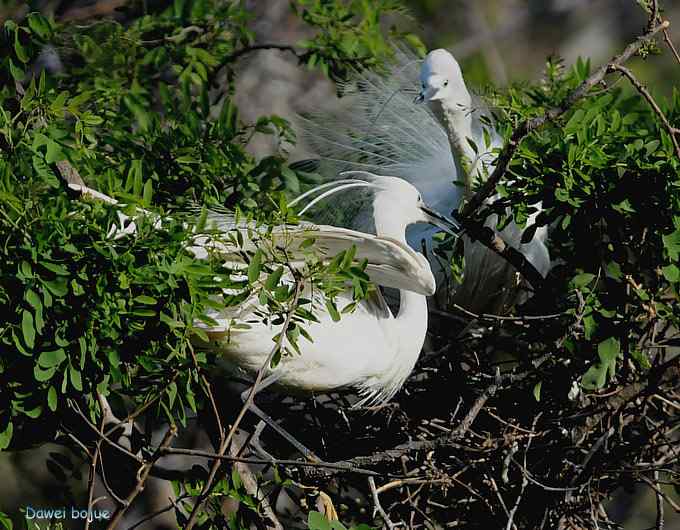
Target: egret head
<point x="398" y="204"/>
<point x="441" y="80"/>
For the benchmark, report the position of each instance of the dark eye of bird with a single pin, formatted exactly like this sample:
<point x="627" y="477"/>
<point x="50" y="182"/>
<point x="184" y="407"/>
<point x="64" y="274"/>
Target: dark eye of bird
<point x="446" y="83"/>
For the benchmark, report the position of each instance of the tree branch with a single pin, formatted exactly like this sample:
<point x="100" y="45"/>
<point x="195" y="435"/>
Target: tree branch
<point x="672" y="131"/>
<point x="142" y="476"/>
<point x="530" y="125"/>
<point x="251" y="396"/>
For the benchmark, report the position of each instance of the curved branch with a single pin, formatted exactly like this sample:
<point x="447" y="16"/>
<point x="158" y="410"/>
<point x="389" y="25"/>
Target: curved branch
<point x="530" y="125"/>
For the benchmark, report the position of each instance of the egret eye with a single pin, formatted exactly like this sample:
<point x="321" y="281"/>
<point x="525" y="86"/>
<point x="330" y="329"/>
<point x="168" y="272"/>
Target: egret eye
<point x="446" y="83"/>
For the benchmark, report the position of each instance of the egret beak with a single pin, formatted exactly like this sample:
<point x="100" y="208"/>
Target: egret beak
<point x="439" y="220"/>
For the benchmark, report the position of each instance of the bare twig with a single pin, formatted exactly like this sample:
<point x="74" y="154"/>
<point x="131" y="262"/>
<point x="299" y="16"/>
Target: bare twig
<point x="525" y="481"/>
<point x="249" y="49"/>
<point x="498" y="318"/>
<point x="251" y="485"/>
<point x="660" y="492"/>
<point x="93" y="475"/>
<point x="659" y="504"/>
<point x="172" y="504"/>
<point x="249" y="401"/>
<point x="336" y="466"/>
<point x="377" y="507"/>
<point x="264" y="46"/>
<point x="142" y="476"/>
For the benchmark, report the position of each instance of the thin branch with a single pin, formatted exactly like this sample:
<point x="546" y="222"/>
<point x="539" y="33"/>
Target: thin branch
<point x="659" y="504"/>
<point x="497" y="318"/>
<point x="172" y="504"/>
<point x="249" y="49"/>
<point x="251" y="396"/>
<point x="251" y="485"/>
<point x="337" y="466"/>
<point x="93" y="475"/>
<point x="672" y="131"/>
<point x="142" y="476"/>
<point x="530" y="125"/>
<point x="660" y="492"/>
<point x="669" y="43"/>
<point x="525" y="481"/>
<point x="377" y="507"/>
<point x="488" y="237"/>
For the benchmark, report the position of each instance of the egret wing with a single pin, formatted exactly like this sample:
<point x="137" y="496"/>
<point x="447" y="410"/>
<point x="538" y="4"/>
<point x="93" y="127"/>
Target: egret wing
<point x="390" y="263"/>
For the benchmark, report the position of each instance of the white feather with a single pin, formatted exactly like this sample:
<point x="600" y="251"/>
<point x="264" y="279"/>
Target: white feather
<point x="380" y="129"/>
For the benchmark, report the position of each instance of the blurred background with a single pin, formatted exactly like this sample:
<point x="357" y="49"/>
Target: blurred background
<point x="497" y="42"/>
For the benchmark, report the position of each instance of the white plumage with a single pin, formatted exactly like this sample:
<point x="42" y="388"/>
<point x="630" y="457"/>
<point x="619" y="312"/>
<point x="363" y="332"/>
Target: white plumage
<point x="380" y="129"/>
<point x="370" y="350"/>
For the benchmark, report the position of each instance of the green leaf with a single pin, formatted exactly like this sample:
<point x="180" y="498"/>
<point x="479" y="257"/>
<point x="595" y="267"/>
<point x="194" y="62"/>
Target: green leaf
<point x="34" y="413"/>
<point x="19" y="50"/>
<point x="595" y="377"/>
<point x="43" y="375"/>
<point x="316" y="521"/>
<point x="27" y="328"/>
<point x="254" y="267"/>
<point x="49" y="359"/>
<point x="290" y="179"/>
<point x="333" y="310"/>
<point x="143" y="299"/>
<point x="76" y="379"/>
<point x="52" y="398"/>
<point x="114" y="359"/>
<point x="16" y="71"/>
<point x="671" y="273"/>
<point x="5" y="521"/>
<point x="614" y="270"/>
<point x="273" y="278"/>
<point x="172" y="393"/>
<point x="54" y="152"/>
<point x="537" y="391"/>
<point x="44" y="172"/>
<point x="672" y="243"/>
<point x="583" y="279"/>
<point x="39" y="25"/>
<point x="608" y="351"/>
<point x="6" y="438"/>
<point x="147" y="194"/>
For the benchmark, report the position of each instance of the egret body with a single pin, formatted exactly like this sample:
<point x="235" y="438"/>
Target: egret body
<point x="382" y="131"/>
<point x="370" y="350"/>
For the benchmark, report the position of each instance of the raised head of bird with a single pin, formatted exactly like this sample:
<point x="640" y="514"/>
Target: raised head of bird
<point x="441" y="80"/>
<point x="444" y="91"/>
<point x="397" y="204"/>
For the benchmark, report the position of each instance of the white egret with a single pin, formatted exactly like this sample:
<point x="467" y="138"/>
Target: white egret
<point x="370" y="350"/>
<point x="431" y="147"/>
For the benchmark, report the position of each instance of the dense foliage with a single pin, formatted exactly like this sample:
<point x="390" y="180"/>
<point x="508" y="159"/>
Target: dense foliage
<point x="608" y="177"/>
